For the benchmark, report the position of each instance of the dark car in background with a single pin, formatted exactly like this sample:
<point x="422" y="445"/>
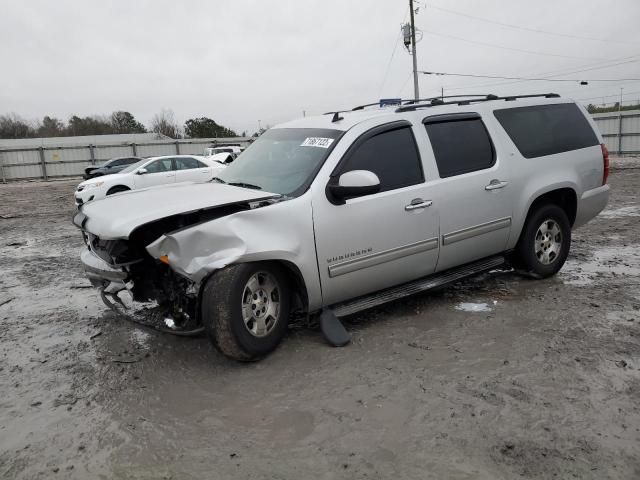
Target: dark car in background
<point x="110" y="166"/>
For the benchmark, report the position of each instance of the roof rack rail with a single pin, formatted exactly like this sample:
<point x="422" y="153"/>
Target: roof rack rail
<point x="441" y="97"/>
<point x="412" y="101"/>
<point x="437" y="101"/>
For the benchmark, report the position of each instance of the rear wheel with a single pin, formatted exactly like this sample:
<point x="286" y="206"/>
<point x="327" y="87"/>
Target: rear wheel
<point x="245" y="309"/>
<point x="117" y="189"/>
<point x="545" y="242"/>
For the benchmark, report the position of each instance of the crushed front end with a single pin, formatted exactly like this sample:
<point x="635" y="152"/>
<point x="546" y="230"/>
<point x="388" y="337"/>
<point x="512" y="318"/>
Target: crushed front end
<point x="139" y="287"/>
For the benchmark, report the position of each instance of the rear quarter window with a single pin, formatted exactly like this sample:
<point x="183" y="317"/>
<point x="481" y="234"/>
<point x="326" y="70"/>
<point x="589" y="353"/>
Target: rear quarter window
<point x="547" y="129"/>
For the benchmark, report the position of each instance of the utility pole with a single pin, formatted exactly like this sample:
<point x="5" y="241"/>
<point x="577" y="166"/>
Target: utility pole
<point x="416" y="90"/>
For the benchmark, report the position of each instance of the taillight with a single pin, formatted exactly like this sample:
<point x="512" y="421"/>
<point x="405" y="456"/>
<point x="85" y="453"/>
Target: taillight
<point x="605" y="163"/>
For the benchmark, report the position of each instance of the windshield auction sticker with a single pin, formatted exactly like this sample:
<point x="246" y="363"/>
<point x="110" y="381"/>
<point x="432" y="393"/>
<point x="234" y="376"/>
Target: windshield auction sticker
<point x="317" y="142"/>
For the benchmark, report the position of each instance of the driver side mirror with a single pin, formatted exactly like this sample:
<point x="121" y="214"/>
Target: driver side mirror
<point x="355" y="183"/>
<point x="141" y="171"/>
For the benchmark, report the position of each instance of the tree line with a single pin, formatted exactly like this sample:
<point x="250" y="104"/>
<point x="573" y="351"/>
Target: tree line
<point x="14" y="126"/>
<point x="611" y="108"/>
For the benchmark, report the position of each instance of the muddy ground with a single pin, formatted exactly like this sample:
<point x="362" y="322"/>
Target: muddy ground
<point x="495" y="377"/>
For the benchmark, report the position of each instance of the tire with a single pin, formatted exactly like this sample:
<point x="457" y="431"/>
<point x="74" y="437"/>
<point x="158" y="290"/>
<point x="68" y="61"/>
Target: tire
<point x="229" y="301"/>
<point x="118" y="189"/>
<point x="545" y="242"/>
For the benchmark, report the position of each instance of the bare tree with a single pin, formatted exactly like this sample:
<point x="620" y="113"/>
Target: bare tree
<point x="14" y="126"/>
<point x="165" y="123"/>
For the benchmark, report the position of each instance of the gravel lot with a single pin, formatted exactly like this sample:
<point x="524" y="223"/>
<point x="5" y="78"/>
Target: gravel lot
<point x="495" y="377"/>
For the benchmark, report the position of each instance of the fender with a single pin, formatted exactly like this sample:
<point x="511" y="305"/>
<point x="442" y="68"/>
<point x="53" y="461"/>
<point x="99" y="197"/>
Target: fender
<point x="278" y="232"/>
<point x="532" y="191"/>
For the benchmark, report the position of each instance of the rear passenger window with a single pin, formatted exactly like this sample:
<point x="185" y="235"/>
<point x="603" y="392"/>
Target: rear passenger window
<point x="392" y="156"/>
<point x="187" y="163"/>
<point x="547" y="129"/>
<point x="460" y="146"/>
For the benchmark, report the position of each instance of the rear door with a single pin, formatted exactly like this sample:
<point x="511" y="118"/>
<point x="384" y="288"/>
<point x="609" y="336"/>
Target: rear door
<point x="473" y="195"/>
<point x="189" y="169"/>
<point x="379" y="240"/>
<point x="158" y="172"/>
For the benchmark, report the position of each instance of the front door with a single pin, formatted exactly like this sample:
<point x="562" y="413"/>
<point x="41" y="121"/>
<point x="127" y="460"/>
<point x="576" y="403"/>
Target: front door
<point x="158" y="172"/>
<point x="379" y="240"/>
<point x="473" y="195"/>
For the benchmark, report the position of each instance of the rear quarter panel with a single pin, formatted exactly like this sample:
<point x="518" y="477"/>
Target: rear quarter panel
<point x="581" y="170"/>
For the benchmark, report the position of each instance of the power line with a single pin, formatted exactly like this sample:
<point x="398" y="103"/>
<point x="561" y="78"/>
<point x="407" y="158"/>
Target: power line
<point x="598" y="66"/>
<point x="395" y="47"/>
<point x="541" y="79"/>
<point x="608" y="96"/>
<point x="386" y="73"/>
<point x="535" y="30"/>
<point x="513" y="49"/>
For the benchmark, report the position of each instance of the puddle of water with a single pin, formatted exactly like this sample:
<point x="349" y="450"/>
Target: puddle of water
<point x="630" y="211"/>
<point x="140" y="337"/>
<point x="624" y="261"/>
<point x="474" y="307"/>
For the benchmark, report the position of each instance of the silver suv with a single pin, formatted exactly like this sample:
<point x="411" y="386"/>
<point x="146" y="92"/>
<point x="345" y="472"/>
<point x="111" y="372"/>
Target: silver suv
<point x="338" y="213"/>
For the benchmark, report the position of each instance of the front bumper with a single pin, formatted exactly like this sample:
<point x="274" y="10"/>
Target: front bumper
<point x="99" y="272"/>
<point x="84" y="196"/>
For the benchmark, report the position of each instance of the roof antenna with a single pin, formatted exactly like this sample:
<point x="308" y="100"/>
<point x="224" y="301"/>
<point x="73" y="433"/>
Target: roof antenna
<point x="336" y="117"/>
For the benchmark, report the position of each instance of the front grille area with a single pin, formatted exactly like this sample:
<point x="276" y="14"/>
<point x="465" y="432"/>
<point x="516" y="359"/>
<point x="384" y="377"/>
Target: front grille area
<point x="114" y="252"/>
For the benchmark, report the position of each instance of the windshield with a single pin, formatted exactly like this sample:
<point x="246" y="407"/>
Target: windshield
<point x="281" y="160"/>
<point x="133" y="167"/>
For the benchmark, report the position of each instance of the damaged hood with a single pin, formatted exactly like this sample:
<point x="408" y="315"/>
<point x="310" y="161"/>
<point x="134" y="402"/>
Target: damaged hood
<point x="115" y="217"/>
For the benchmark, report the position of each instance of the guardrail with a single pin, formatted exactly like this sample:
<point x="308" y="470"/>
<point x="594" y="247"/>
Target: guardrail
<point x="50" y="162"/>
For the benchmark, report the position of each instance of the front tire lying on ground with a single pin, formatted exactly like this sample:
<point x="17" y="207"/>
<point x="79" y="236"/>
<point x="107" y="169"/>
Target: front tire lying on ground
<point x="245" y="309"/>
<point x="545" y="241"/>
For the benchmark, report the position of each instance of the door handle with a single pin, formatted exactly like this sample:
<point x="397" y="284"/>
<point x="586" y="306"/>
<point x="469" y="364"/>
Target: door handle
<point x="495" y="184"/>
<point x="417" y="203"/>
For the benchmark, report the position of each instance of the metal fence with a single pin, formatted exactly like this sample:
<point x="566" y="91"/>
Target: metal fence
<point x="621" y="131"/>
<point x="70" y="161"/>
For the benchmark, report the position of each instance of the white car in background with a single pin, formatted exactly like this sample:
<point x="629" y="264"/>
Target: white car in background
<point x="235" y="149"/>
<point x="150" y="172"/>
<point x="225" y="157"/>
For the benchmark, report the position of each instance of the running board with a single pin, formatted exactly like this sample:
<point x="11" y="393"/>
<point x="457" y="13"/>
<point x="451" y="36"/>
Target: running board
<point x="421" y="285"/>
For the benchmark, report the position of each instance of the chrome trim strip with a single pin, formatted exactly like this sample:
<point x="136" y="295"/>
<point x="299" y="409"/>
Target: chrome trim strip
<point x="466" y="233"/>
<point x="373" y="259"/>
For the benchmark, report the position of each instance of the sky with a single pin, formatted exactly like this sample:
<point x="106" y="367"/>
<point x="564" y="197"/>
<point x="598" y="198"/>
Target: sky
<point x="247" y="63"/>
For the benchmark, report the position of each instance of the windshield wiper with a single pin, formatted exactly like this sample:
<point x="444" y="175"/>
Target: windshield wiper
<point x="245" y="185"/>
<point x="217" y="179"/>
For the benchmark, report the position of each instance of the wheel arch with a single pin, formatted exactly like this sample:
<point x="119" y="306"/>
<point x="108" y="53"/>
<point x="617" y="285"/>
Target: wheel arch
<point x="294" y="275"/>
<point x="119" y="187"/>
<point x="565" y="197"/>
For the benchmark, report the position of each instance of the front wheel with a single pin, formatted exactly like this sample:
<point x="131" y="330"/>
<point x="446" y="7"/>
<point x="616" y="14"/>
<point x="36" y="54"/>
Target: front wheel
<point x="245" y="309"/>
<point x="545" y="242"/>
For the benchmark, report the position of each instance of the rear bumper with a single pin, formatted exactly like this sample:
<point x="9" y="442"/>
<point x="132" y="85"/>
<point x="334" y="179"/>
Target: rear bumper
<point x="99" y="272"/>
<point x="591" y="204"/>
